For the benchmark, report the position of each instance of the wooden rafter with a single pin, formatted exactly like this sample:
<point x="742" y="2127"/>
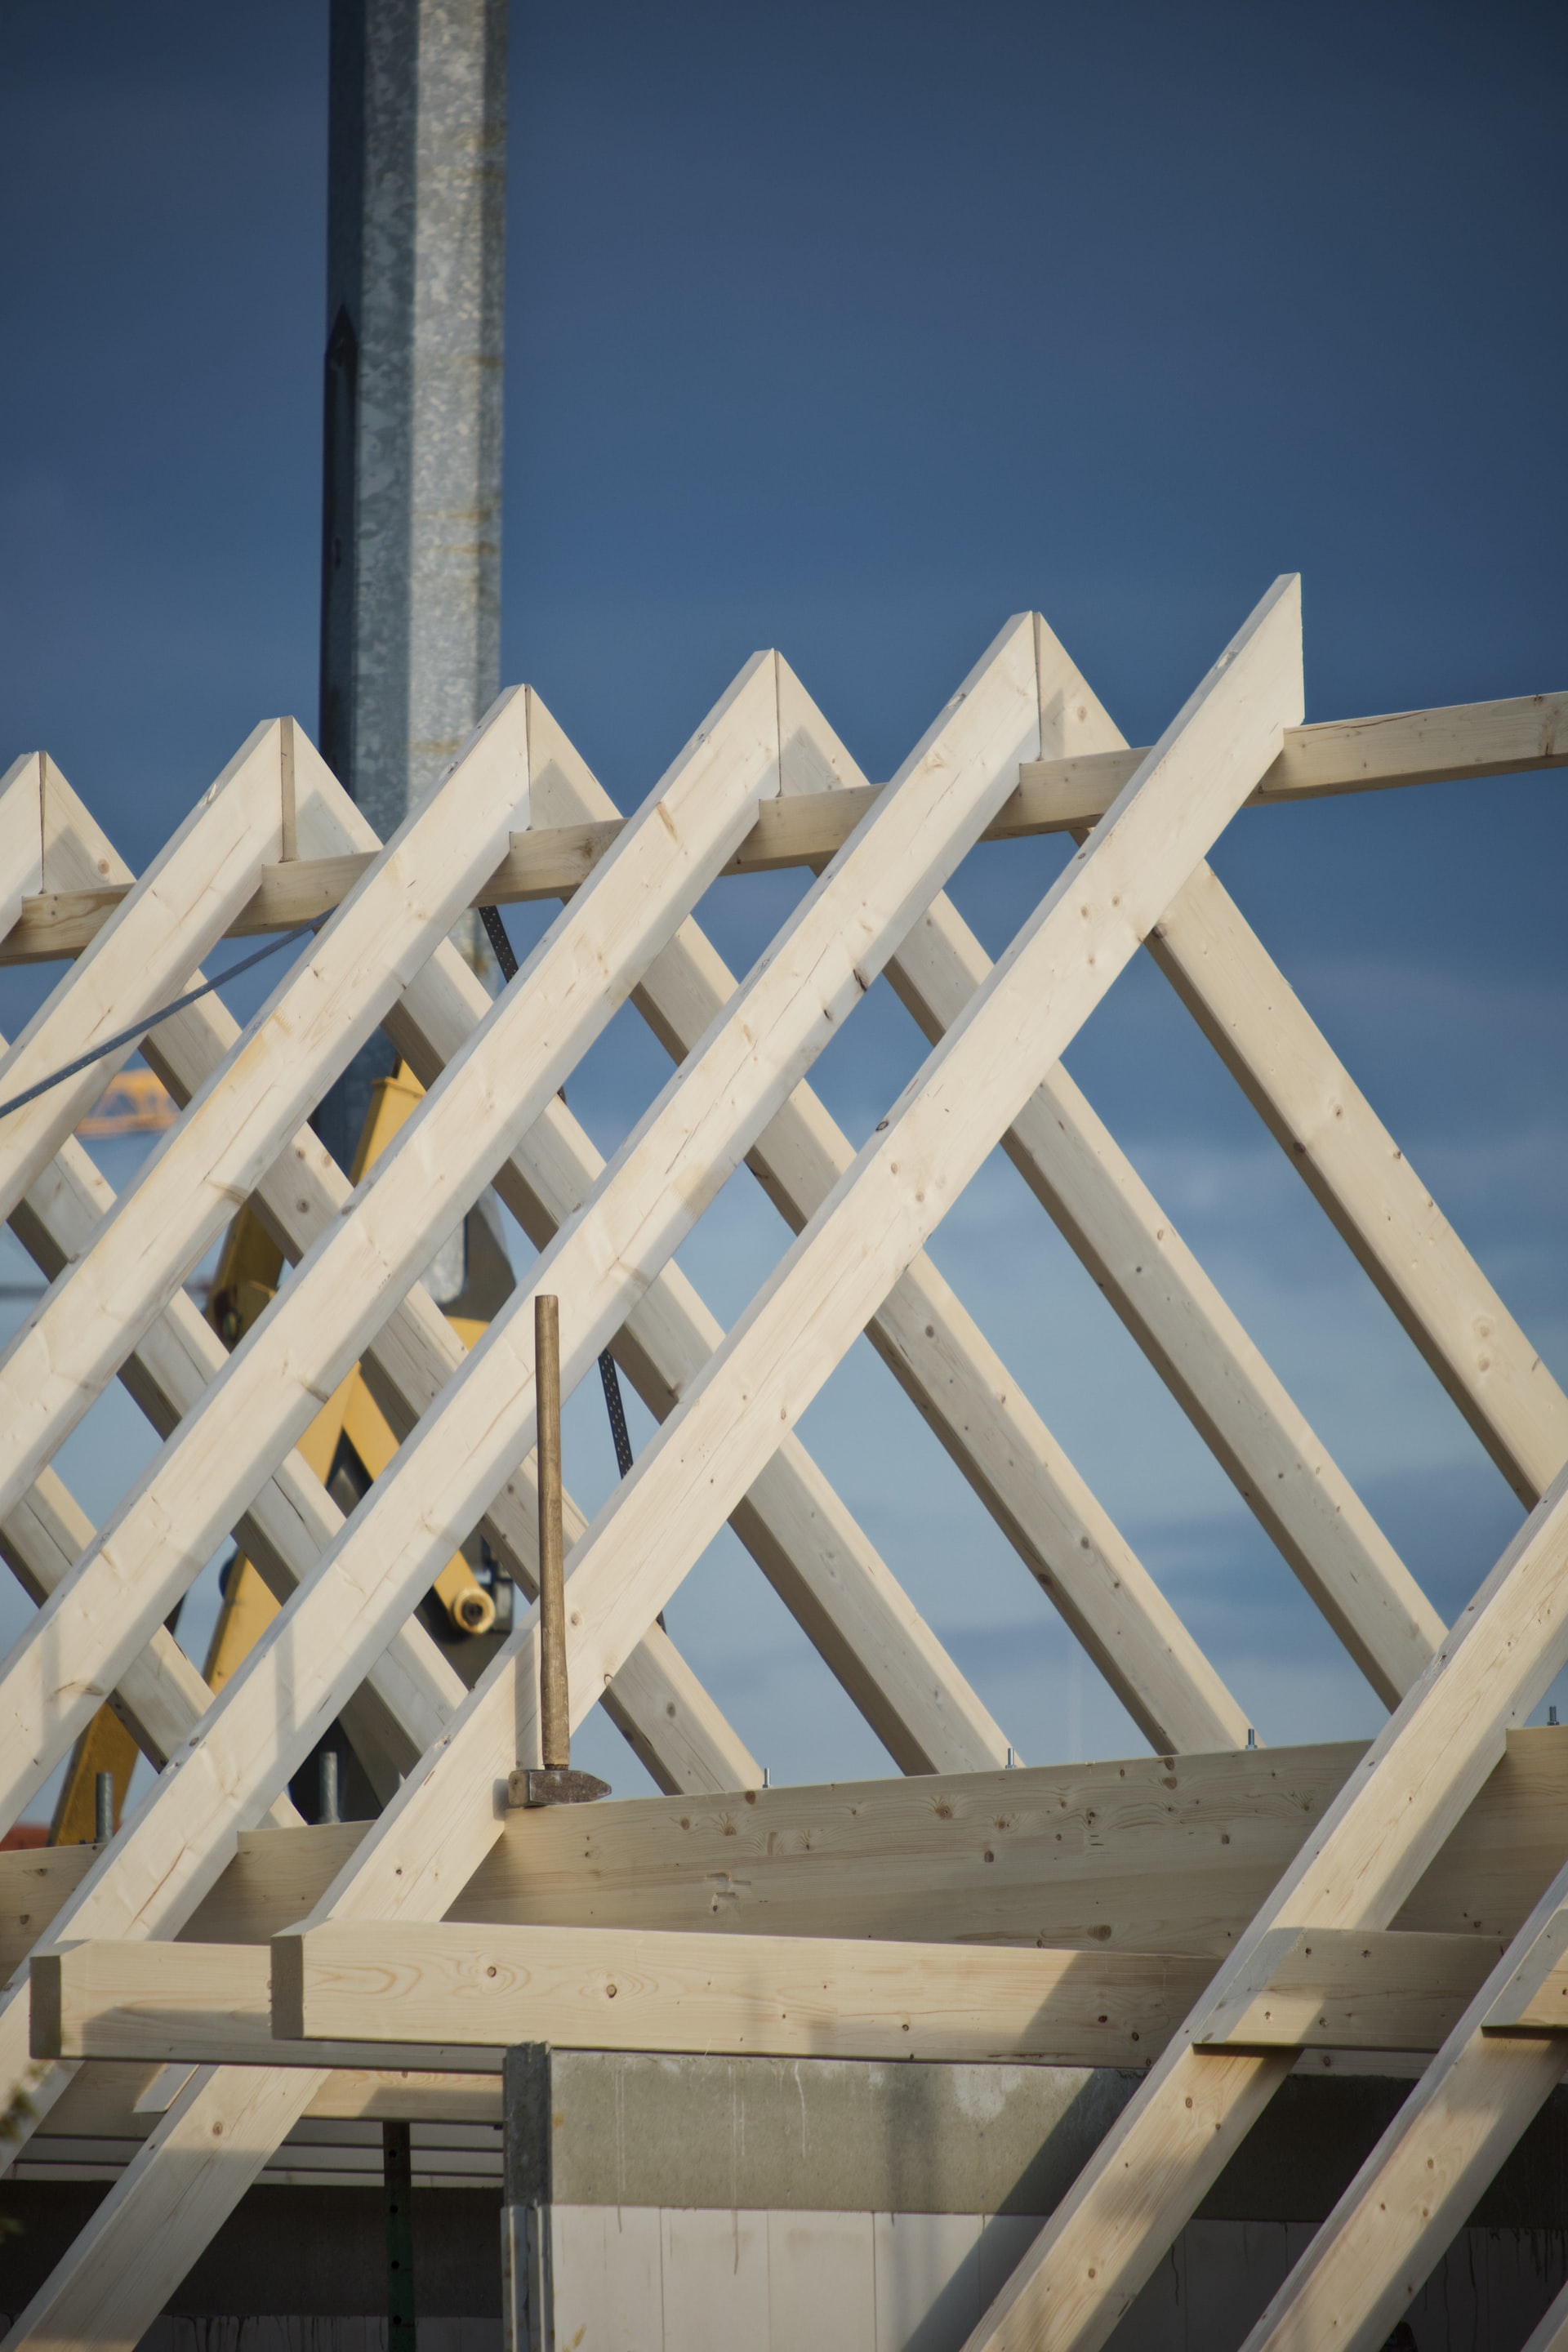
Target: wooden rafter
<point x="291" y="1520"/>
<point x="1053" y="795"/>
<point x="962" y="1389"/>
<point x="1354" y="1946"/>
<point x="707" y="1453"/>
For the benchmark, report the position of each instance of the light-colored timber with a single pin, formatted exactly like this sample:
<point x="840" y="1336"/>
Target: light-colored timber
<point x="1053" y="795"/>
<point x="1420" y="2183"/>
<point x="289" y="1522"/>
<point x="601" y="1988"/>
<point x="1214" y="1915"/>
<point x="1150" y="1853"/>
<point x="359" y="1994"/>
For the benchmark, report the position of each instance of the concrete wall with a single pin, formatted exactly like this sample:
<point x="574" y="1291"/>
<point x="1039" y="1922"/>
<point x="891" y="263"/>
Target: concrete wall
<point x="679" y="2204"/>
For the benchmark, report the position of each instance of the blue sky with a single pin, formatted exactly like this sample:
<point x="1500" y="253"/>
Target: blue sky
<point x="852" y="329"/>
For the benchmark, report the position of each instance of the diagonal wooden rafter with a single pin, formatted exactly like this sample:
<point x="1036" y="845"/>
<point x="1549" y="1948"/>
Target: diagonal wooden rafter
<point x="95" y="1623"/>
<point x="412" y="1689"/>
<point x="1342" y="1151"/>
<point x="836" y="945"/>
<point x="706" y="1454"/>
<point x="657" y="1184"/>
<point x="1418" y="2186"/>
<point x="161" y="1696"/>
<point x="953" y="1375"/>
<point x="328" y="1004"/>
<point x="62" y="915"/>
<point x="1134" y="1252"/>
<point x="1197" y="2104"/>
<point x="1364" y="1867"/>
<point x="172" y="914"/>
<point x="820" y="1559"/>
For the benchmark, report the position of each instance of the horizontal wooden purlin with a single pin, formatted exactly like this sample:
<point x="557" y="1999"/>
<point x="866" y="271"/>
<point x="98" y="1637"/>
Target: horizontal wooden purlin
<point x="1339" y="755"/>
<point x="1333" y="756"/>
<point x="431" y="1992"/>
<point x="1151" y="1853"/>
<point x="601" y="1988"/>
<point x="193" y="2004"/>
<point x="778" y="1996"/>
<point x="1535" y="1997"/>
<point x="1344" y="1988"/>
<point x="117" y="2098"/>
<point x="767" y="1996"/>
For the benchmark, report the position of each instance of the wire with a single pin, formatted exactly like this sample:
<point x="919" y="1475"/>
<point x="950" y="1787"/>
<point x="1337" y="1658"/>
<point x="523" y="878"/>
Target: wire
<point x="495" y="932"/>
<point x="138" y="1029"/>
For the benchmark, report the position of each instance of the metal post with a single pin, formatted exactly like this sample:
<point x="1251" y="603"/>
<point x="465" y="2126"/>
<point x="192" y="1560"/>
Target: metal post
<point x="103" y="1807"/>
<point x="398" y="2179"/>
<point x="326" y="1806"/>
<point x="528" y="2108"/>
<point x="555" y="1714"/>
<point x="411" y="521"/>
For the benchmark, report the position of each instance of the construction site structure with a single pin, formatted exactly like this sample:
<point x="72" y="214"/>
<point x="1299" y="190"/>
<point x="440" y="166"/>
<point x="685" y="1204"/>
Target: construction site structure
<point x="225" y="1995"/>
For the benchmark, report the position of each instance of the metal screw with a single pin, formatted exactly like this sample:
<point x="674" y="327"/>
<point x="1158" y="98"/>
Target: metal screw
<point x="1012" y="1758"/>
<point x="1251" y="1736"/>
<point x="1552" y="1716"/>
<point x="767" y="1777"/>
<point x="103" y="1807"/>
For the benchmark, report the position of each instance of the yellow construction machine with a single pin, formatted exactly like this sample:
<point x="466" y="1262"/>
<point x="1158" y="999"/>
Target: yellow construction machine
<point x="348" y="1445"/>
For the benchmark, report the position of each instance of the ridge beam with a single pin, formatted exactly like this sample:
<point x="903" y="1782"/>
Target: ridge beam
<point x="1512" y="737"/>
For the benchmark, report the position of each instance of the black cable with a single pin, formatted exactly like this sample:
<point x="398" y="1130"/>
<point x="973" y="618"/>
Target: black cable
<point x="620" y="1437"/>
<point x="138" y="1029"/>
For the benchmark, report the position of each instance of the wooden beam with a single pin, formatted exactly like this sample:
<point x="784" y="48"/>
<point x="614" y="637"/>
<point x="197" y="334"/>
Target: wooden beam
<point x="162" y="1694"/>
<point x="832" y="1280"/>
<point x="603" y="1989"/>
<point x="1148" y="1854"/>
<point x="65" y="1355"/>
<point x="666" y="854"/>
<point x="1535" y="1999"/>
<point x="960" y="1387"/>
<point x="453" y="1983"/>
<point x="143" y="955"/>
<point x="1343" y="755"/>
<point x="415" y="1994"/>
<point x="1368" y="1188"/>
<point x="1420" y="2184"/>
<point x="198" y="2004"/>
<point x="1353" y="1988"/>
<point x="829" y="1285"/>
<point x="181" y="1356"/>
<point x="119" y="2099"/>
<point x="286" y="1528"/>
<point x="1195" y="2109"/>
<point x="21" y="836"/>
<point x="1053" y="795"/>
<point x="800" y="1532"/>
<point x="797" y="1528"/>
<point x="272" y="1387"/>
<point x="671" y="1723"/>
<point x="653" y="1194"/>
<point x="1133" y="1252"/>
<point x="119" y="2261"/>
<point x="797" y="1997"/>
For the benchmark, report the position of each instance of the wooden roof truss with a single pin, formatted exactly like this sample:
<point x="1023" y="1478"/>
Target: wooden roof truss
<point x="1022" y="747"/>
